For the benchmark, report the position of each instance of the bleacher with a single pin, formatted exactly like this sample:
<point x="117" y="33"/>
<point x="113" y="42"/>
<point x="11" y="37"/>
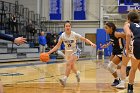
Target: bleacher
<point x="12" y="52"/>
<point x="8" y="50"/>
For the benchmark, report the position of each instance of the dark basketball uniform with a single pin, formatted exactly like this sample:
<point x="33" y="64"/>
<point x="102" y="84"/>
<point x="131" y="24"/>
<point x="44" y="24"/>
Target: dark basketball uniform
<point x="117" y="44"/>
<point x="6" y="37"/>
<point x="135" y="29"/>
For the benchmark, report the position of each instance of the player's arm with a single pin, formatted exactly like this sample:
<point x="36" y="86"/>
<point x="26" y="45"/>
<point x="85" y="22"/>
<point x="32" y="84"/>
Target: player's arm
<point x="6" y="37"/>
<point x="128" y="36"/>
<point x="56" y="47"/>
<point x="87" y="41"/>
<point x="19" y="40"/>
<point x="120" y="35"/>
<point x="107" y="44"/>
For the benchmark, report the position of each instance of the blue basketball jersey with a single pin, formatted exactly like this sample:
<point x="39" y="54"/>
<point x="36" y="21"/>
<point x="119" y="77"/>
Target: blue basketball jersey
<point x="135" y="29"/>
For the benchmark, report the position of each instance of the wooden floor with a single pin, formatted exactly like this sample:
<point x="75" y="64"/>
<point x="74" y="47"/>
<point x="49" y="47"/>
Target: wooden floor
<point x="43" y="78"/>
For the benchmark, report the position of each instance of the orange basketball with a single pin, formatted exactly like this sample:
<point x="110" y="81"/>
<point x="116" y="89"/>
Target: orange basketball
<point x="44" y="57"/>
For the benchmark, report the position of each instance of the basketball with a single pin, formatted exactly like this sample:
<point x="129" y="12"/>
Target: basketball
<point x="44" y="57"/>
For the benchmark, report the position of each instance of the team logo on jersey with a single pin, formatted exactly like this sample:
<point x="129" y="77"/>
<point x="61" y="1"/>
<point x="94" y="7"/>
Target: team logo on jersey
<point x="69" y="42"/>
<point x="137" y="25"/>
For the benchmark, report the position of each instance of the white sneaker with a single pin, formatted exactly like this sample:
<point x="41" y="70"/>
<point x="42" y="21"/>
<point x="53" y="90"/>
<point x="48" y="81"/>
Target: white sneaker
<point x="63" y="82"/>
<point x="121" y="85"/>
<point x="78" y="76"/>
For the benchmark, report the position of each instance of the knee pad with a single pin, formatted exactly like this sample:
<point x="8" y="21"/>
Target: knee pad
<point x="112" y="67"/>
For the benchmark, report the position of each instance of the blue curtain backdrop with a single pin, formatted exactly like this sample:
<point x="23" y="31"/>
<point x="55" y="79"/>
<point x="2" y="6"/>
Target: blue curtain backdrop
<point x="102" y="37"/>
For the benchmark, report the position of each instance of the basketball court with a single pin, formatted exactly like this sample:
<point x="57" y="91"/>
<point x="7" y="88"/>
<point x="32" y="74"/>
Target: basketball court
<point x="20" y="68"/>
<point x="37" y="77"/>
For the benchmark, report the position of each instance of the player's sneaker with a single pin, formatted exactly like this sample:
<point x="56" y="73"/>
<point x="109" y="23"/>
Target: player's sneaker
<point x="78" y="76"/>
<point x="130" y="88"/>
<point x="63" y="82"/>
<point x="121" y="85"/>
<point x="115" y="82"/>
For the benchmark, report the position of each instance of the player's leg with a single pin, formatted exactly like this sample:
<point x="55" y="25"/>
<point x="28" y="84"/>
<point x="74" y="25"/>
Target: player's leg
<point x="112" y="67"/>
<point x="74" y="69"/>
<point x="67" y="72"/>
<point x="134" y="66"/>
<point x="1" y="87"/>
<point x="125" y="61"/>
<point x="139" y="66"/>
<point x="70" y="59"/>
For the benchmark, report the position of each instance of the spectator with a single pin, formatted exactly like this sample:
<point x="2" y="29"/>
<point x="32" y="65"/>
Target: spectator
<point x="30" y="31"/>
<point x="14" y="24"/>
<point x="54" y="40"/>
<point x="42" y="42"/>
<point x="49" y="39"/>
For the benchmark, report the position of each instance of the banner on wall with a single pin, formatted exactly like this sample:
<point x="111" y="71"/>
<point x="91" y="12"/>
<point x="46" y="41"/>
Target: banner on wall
<point x="129" y="2"/>
<point x="125" y="9"/>
<point x="126" y="5"/>
<point x="79" y="10"/>
<point x="55" y="12"/>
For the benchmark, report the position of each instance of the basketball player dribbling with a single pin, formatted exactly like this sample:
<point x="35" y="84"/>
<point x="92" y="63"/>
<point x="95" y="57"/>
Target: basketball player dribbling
<point x="71" y="52"/>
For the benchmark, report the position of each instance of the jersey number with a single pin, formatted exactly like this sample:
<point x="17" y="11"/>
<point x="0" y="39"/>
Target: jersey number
<point x="137" y="25"/>
<point x="69" y="45"/>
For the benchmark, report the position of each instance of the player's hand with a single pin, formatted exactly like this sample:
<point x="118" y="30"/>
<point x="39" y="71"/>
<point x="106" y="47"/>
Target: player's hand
<point x="48" y="53"/>
<point x="20" y="40"/>
<point x="93" y="45"/>
<point x="103" y="46"/>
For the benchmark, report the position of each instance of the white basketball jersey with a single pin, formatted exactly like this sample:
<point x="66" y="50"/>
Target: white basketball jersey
<point x="70" y="40"/>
